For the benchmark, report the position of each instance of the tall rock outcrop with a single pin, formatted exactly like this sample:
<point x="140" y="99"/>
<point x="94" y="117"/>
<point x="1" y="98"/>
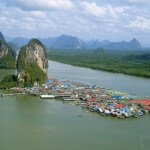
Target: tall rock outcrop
<point x="2" y="37"/>
<point x="7" y="56"/>
<point x="32" y="64"/>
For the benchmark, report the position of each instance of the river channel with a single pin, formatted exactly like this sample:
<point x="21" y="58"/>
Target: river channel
<point x="30" y="123"/>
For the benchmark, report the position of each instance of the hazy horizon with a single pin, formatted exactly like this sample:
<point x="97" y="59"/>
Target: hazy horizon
<point x="89" y="19"/>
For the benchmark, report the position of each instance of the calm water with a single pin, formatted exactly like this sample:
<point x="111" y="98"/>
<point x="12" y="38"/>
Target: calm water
<point x="115" y="81"/>
<point x="29" y="123"/>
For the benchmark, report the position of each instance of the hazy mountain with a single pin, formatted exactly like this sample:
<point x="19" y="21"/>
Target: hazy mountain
<point x="8" y="39"/>
<point x="105" y="42"/>
<point x="20" y="41"/>
<point x="14" y="46"/>
<point x="93" y="44"/>
<point x="48" y="42"/>
<point x="62" y="42"/>
<point x="123" y="45"/>
<point x="68" y="42"/>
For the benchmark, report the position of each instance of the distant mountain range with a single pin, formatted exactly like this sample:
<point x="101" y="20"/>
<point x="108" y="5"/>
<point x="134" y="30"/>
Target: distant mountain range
<point x="70" y="42"/>
<point x="19" y="41"/>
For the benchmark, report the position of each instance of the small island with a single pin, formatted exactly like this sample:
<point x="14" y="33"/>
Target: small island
<point x="32" y="66"/>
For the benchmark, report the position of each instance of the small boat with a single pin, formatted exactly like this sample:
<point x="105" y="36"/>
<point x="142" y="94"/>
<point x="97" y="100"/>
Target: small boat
<point x="138" y="113"/>
<point x="47" y="95"/>
<point x="128" y="114"/>
<point x="107" y="112"/>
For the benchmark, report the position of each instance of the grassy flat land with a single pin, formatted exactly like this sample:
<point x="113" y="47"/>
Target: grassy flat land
<point x="135" y="63"/>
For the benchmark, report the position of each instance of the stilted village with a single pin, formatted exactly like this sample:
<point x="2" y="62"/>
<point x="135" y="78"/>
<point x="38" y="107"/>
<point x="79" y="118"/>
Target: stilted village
<point x="97" y="99"/>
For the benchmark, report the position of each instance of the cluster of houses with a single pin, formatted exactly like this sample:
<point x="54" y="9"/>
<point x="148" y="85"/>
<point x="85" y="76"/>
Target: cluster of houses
<point x="103" y="101"/>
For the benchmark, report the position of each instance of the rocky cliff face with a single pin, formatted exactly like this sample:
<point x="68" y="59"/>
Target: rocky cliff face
<point x="32" y="63"/>
<point x="2" y="37"/>
<point x="7" y="56"/>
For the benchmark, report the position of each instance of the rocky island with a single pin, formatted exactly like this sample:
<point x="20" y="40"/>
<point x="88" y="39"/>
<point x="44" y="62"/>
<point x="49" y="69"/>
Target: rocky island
<point x="32" y="64"/>
<point x="7" y="55"/>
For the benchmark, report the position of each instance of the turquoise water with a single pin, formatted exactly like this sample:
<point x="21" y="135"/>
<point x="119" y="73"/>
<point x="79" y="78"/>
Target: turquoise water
<point x="30" y="123"/>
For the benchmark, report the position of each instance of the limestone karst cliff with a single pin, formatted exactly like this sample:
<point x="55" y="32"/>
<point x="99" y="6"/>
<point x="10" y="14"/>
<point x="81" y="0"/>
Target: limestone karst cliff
<point x="7" y="56"/>
<point x="32" y="63"/>
<point x="2" y="37"/>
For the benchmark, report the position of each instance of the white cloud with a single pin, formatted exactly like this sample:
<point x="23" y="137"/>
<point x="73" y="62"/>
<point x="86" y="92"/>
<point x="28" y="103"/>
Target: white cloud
<point x="93" y="9"/>
<point x="43" y="5"/>
<point x="28" y="19"/>
<point x="140" y="23"/>
<point x="121" y="9"/>
<point x="144" y="2"/>
<point x="3" y="18"/>
<point x="38" y="14"/>
<point x="111" y="11"/>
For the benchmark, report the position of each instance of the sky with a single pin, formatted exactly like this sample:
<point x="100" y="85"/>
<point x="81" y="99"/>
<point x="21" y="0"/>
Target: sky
<point x="115" y="20"/>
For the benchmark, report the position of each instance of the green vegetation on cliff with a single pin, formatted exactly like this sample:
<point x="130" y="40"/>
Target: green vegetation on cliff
<point x="7" y="62"/>
<point x="28" y="67"/>
<point x="7" y="56"/>
<point x="112" y="61"/>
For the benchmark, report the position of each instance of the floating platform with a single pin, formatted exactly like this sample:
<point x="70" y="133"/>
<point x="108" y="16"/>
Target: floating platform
<point x="71" y="99"/>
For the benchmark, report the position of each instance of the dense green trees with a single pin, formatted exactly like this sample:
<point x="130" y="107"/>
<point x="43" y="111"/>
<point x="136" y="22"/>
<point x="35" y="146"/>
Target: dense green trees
<point x="7" y="62"/>
<point x="9" y="81"/>
<point x="33" y="74"/>
<point x="112" y="61"/>
<point x="7" y="56"/>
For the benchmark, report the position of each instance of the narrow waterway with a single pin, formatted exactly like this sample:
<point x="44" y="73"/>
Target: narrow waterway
<point x="115" y="81"/>
<point x="31" y="123"/>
